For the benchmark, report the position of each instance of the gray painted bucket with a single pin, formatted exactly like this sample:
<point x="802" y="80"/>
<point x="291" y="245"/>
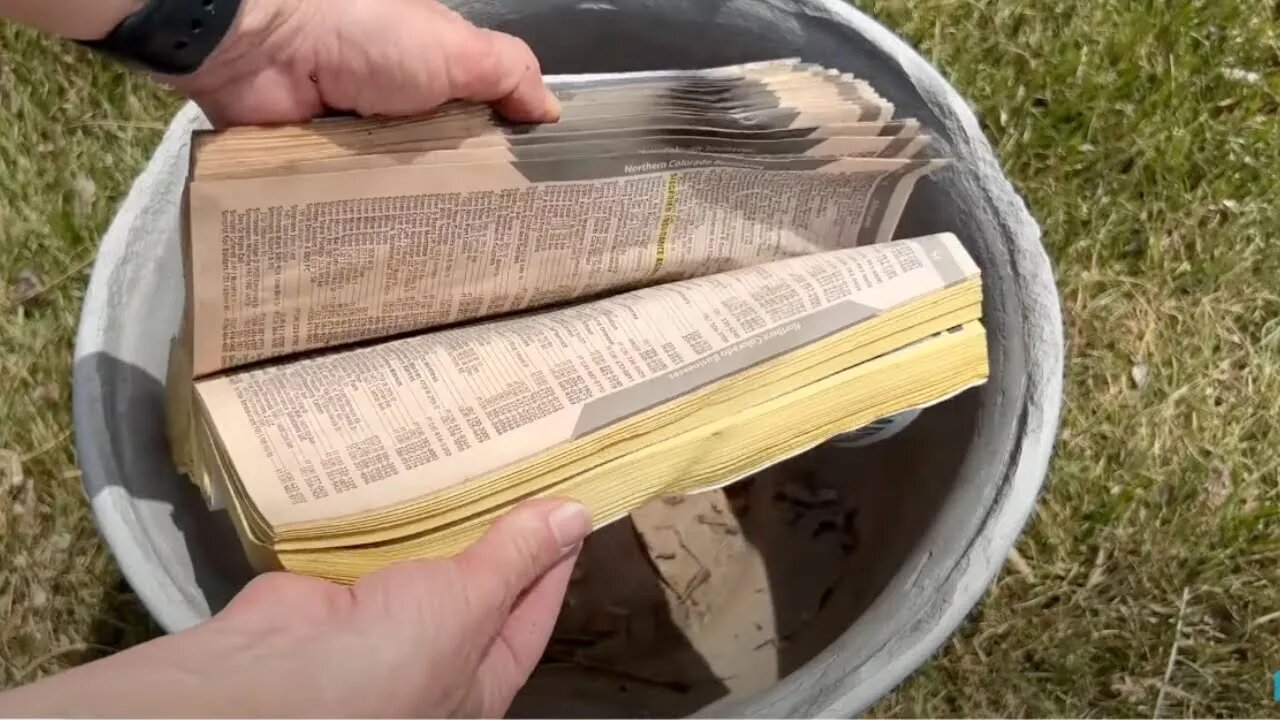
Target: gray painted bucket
<point x="941" y="501"/>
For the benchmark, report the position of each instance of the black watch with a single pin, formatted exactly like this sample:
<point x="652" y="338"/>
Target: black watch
<point x="172" y="37"/>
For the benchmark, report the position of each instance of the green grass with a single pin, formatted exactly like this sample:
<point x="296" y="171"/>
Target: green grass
<point x="1145" y="135"/>
<point x="72" y="135"/>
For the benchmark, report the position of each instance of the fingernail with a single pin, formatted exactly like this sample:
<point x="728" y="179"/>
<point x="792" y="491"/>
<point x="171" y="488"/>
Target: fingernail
<point x="553" y="106"/>
<point x="570" y="524"/>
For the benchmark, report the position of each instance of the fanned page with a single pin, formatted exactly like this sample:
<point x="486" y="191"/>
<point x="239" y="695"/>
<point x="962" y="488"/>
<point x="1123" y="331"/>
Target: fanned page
<point x="645" y="95"/>
<point x="803" y="103"/>
<point x="286" y="158"/>
<point x="320" y="260"/>
<point x="741" y="100"/>
<point x="271" y="148"/>
<point x="360" y="429"/>
<point x="445" y="152"/>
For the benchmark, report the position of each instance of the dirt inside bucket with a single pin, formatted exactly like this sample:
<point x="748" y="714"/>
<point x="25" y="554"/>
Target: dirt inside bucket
<point x="697" y="597"/>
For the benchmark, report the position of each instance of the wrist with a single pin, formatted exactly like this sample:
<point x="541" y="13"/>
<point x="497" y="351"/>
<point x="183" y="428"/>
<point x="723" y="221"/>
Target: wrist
<point x="259" y="32"/>
<point x="256" y="29"/>
<point x="178" y="37"/>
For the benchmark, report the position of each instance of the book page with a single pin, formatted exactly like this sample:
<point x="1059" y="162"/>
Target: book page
<point x="905" y="146"/>
<point x="344" y="137"/>
<point x="286" y="158"/>
<point x="775" y="92"/>
<point x="331" y="259"/>
<point x="792" y="92"/>
<point x="361" y="429"/>
<point x="753" y="68"/>
<point x="714" y="79"/>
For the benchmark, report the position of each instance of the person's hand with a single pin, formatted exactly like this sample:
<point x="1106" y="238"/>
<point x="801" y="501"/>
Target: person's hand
<point x="291" y="60"/>
<point x="429" y="639"/>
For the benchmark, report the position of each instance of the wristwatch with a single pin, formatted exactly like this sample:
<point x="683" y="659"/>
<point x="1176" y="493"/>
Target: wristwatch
<point x="171" y="37"/>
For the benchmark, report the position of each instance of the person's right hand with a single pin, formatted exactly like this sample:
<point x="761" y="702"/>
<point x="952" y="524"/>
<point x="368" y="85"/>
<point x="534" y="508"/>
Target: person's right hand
<point x="292" y="60"/>
<point x="448" y="637"/>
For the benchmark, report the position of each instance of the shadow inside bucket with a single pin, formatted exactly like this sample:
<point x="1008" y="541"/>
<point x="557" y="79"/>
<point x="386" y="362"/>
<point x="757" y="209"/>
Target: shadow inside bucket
<point x="132" y="405"/>
<point x="833" y="528"/>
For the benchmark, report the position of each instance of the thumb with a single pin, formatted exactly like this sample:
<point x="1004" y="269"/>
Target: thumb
<point x="518" y="549"/>
<point x="488" y="66"/>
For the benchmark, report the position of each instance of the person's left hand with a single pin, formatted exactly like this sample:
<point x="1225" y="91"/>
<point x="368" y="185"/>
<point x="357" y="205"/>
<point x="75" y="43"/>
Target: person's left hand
<point x="429" y="638"/>
<point x="291" y="60"/>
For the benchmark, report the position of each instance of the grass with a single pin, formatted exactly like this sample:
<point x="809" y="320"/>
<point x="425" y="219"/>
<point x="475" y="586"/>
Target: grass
<point x="72" y="135"/>
<point x="1145" y="135"/>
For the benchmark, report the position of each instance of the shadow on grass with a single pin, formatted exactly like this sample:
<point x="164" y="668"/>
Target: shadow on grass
<point x="122" y="622"/>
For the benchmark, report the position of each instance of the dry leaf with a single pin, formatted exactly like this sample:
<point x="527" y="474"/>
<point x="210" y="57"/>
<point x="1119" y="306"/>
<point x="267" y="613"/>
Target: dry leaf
<point x="1250" y="77"/>
<point x="1020" y="565"/>
<point x="47" y="394"/>
<point x="1139" y="374"/>
<point x="26" y="287"/>
<point x="1218" y="487"/>
<point x="60" y="541"/>
<point x="85" y="191"/>
<point x="1130" y="690"/>
<point x="1250" y="499"/>
<point x="11" y="469"/>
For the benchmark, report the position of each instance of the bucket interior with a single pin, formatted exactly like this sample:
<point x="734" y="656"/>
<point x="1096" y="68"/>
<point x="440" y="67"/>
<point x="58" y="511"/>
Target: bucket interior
<point x="816" y="570"/>
<point x="792" y="557"/>
<point x="811" y="542"/>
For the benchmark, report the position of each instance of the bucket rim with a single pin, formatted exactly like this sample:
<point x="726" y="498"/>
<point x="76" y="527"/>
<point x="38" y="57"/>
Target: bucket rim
<point x="1024" y="470"/>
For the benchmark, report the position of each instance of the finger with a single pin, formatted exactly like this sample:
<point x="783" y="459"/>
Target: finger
<point x="526" y="108"/>
<point x="517" y="550"/>
<point x="493" y="67"/>
<point x="511" y="659"/>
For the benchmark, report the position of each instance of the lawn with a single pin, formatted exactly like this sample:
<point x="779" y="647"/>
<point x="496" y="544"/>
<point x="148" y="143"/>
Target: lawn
<point x="1145" y="135"/>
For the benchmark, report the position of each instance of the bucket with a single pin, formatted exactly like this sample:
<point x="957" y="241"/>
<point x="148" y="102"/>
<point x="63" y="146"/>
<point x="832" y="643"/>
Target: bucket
<point x="939" y="502"/>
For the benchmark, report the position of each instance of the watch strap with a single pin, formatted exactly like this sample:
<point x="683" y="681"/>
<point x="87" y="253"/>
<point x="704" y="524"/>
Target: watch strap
<point x="172" y="37"/>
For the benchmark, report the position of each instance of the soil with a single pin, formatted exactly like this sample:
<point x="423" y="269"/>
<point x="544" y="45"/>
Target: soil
<point x="696" y="597"/>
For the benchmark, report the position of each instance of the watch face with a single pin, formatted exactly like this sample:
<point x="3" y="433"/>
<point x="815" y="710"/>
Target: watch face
<point x="169" y="37"/>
